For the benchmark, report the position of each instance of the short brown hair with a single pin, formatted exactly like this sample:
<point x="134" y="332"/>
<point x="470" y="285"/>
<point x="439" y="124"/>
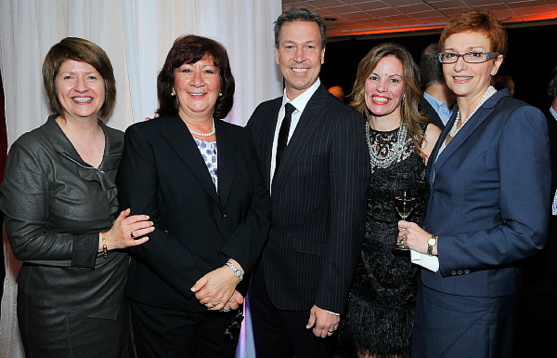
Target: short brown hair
<point x="411" y="117"/>
<point x="190" y="49"/>
<point x="477" y="21"/>
<point x="300" y="14"/>
<point x="78" y="49"/>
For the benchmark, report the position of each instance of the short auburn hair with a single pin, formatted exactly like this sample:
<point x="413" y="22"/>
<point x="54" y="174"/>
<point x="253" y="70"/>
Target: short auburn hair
<point x="477" y="21"/>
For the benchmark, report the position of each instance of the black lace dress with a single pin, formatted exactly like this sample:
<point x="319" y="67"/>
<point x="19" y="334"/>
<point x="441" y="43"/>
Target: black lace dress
<point x="381" y="306"/>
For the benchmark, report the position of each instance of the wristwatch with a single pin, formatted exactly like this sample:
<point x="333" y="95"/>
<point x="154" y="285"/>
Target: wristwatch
<point x="430" y="243"/>
<point x="237" y="272"/>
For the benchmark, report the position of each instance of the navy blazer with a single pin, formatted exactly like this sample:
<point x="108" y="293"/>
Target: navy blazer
<point x="163" y="175"/>
<point x="318" y="199"/>
<point x="489" y="198"/>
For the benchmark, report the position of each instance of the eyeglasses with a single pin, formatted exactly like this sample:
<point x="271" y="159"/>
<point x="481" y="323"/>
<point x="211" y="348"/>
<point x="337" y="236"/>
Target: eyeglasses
<point x="470" y="57"/>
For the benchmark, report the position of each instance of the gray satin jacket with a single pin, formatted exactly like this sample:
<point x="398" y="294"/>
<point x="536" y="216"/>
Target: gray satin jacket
<point x="55" y="205"/>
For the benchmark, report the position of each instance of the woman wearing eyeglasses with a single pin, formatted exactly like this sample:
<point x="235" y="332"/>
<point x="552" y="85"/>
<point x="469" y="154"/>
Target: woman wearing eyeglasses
<point x="488" y="207"/>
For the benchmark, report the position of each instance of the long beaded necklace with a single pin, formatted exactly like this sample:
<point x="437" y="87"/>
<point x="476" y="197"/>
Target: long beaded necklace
<point x="396" y="148"/>
<point x="454" y="130"/>
<point x="204" y="134"/>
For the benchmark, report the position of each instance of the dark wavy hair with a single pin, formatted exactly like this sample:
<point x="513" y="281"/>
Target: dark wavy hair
<point x="410" y="114"/>
<point x="190" y="49"/>
<point x="78" y="49"/>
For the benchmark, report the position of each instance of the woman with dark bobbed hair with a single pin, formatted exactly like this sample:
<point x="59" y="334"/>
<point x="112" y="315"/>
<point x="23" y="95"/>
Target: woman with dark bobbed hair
<point x="60" y="203"/>
<point x="489" y="198"/>
<point x="210" y="208"/>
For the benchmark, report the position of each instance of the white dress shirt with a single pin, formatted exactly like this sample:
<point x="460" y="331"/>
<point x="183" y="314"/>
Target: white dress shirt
<point x="299" y="103"/>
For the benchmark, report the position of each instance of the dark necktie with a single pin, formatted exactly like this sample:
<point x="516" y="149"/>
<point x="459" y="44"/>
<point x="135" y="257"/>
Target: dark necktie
<point x="283" y="132"/>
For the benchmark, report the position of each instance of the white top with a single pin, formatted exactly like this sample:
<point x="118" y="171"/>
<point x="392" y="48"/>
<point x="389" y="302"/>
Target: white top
<point x="299" y="103"/>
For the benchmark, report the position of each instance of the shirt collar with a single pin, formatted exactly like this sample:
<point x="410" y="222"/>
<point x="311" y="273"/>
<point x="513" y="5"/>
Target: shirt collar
<point x="553" y="113"/>
<point x="440" y="107"/>
<point x="302" y="100"/>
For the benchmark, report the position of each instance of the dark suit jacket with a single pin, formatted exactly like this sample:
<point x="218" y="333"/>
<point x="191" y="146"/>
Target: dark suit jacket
<point x="163" y="175"/>
<point x="319" y="201"/>
<point x="489" y="199"/>
<point x="426" y="107"/>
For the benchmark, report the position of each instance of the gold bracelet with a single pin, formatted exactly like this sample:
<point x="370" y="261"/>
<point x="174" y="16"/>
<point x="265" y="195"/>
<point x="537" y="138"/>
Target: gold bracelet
<point x="105" y="249"/>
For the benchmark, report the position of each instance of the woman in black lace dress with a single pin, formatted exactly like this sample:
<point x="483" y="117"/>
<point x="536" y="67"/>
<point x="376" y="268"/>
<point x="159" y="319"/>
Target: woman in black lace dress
<point x="381" y="308"/>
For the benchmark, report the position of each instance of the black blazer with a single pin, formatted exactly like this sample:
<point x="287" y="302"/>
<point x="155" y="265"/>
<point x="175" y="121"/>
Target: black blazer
<point x="425" y="107"/>
<point x="319" y="202"/>
<point x="163" y="175"/>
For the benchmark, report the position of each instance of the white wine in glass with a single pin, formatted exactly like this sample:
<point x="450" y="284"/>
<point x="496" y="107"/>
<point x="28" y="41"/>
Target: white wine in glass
<point x="405" y="198"/>
<point x="404" y="204"/>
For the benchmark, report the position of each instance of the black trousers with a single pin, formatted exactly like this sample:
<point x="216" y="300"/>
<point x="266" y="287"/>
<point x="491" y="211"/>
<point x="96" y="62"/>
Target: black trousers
<point x="50" y="333"/>
<point x="166" y="333"/>
<point x="537" y="324"/>
<point x="283" y="334"/>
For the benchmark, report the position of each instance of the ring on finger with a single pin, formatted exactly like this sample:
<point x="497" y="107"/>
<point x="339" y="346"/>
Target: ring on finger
<point x="214" y="304"/>
<point x="226" y="310"/>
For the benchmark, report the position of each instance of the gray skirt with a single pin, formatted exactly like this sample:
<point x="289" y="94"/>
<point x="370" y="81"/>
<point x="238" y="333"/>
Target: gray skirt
<point x="50" y="333"/>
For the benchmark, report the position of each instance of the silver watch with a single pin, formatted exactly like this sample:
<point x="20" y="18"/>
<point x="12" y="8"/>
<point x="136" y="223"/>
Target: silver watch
<point x="237" y="272"/>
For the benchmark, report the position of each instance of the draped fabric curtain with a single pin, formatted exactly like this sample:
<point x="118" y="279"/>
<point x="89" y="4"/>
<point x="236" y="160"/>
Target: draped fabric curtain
<point x="137" y="36"/>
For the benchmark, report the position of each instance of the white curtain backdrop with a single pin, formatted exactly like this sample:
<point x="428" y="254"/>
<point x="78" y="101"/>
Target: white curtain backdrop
<point x="137" y="36"/>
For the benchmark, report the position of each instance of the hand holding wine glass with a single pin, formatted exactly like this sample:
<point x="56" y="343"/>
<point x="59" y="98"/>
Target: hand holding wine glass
<point x="405" y="199"/>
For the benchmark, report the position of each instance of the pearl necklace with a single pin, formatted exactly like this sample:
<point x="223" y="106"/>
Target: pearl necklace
<point x="204" y="134"/>
<point x="454" y="130"/>
<point x="396" y="148"/>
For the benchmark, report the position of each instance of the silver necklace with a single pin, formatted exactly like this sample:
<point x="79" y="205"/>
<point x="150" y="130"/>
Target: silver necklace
<point x="454" y="130"/>
<point x="204" y="134"/>
<point x="396" y="148"/>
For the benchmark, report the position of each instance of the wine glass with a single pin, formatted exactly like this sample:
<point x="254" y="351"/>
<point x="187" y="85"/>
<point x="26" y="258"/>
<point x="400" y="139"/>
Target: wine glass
<point x="405" y="198"/>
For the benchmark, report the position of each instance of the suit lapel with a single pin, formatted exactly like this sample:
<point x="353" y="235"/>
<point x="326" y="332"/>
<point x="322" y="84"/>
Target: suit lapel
<point x="268" y="136"/>
<point x="177" y="135"/>
<point x="466" y="131"/>
<point x="226" y="154"/>
<point x="430" y="170"/>
<point x="305" y="129"/>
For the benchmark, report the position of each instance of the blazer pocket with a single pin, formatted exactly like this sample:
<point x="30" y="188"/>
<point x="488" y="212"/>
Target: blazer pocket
<point x="314" y="248"/>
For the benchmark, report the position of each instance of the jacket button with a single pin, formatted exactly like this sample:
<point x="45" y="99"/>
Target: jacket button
<point x="224" y="215"/>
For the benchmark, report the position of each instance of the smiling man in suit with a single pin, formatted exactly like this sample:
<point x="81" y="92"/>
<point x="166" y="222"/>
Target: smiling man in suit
<point x="318" y="175"/>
